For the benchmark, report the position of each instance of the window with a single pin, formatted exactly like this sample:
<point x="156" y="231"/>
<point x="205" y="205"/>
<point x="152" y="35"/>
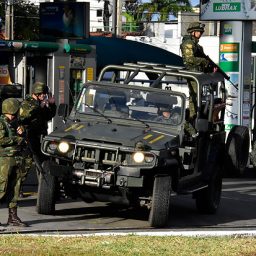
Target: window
<point x="99" y="13"/>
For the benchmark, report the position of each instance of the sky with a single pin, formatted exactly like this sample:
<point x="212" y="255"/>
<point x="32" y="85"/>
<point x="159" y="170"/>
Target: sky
<point x="194" y="2"/>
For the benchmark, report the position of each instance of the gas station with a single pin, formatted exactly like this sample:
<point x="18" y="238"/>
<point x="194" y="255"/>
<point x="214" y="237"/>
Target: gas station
<point x="66" y="61"/>
<point x="235" y="55"/>
<point x="64" y="67"/>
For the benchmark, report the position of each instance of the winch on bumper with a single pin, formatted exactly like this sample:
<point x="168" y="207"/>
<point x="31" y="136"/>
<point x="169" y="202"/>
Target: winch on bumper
<point x="97" y="165"/>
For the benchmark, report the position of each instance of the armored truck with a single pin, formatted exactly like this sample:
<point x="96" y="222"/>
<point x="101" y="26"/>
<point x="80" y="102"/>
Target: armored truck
<point x="116" y="145"/>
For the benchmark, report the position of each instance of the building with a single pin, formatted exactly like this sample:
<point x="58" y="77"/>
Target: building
<point x="96" y="13"/>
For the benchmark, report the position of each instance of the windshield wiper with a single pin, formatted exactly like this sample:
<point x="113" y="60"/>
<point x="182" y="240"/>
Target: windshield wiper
<point x="98" y="112"/>
<point x="146" y="124"/>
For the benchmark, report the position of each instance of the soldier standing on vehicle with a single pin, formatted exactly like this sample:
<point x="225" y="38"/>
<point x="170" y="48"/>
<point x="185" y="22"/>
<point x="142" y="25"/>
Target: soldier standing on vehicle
<point x="35" y="112"/>
<point x="194" y="59"/>
<point x="11" y="161"/>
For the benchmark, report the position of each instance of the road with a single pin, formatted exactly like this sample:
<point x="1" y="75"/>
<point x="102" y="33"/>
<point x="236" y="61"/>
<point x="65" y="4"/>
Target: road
<point x="237" y="211"/>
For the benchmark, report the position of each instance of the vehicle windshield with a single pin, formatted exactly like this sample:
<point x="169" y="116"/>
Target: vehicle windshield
<point x="128" y="103"/>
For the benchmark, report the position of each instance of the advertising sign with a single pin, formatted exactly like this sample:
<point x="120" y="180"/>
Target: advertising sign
<point x="64" y="20"/>
<point x="4" y="75"/>
<point x="227" y="9"/>
<point x="229" y="57"/>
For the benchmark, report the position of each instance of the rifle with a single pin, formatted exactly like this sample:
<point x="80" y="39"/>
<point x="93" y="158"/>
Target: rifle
<point x="214" y="65"/>
<point x="36" y="159"/>
<point x="28" y="145"/>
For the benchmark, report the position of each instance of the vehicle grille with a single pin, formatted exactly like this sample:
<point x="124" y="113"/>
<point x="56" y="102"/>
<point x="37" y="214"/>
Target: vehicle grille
<point x="101" y="156"/>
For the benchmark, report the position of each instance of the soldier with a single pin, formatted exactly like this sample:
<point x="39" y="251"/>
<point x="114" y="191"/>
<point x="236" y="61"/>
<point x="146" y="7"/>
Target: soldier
<point x="168" y="116"/>
<point x="194" y="59"/>
<point x="35" y="112"/>
<point x="11" y="164"/>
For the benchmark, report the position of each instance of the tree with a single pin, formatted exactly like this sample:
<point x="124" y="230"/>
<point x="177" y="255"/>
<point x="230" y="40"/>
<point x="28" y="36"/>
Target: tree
<point x="26" y="19"/>
<point x="163" y="8"/>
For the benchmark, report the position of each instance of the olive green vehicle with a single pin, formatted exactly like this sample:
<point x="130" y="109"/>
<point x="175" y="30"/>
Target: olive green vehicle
<point x="115" y="145"/>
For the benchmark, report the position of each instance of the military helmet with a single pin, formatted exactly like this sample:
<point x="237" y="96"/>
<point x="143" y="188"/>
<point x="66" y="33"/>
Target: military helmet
<point x="196" y="26"/>
<point x="39" y="87"/>
<point x="10" y="106"/>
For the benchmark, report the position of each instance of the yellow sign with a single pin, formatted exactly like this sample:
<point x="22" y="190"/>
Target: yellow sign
<point x="89" y="74"/>
<point x="229" y="48"/>
<point x="5" y="75"/>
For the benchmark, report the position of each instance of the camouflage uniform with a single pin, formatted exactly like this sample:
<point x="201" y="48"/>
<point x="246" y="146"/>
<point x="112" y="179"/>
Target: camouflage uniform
<point x="194" y="59"/>
<point x="11" y="162"/>
<point x="35" y="114"/>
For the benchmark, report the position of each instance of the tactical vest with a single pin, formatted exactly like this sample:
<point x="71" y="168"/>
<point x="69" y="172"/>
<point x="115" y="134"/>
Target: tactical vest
<point x="10" y="132"/>
<point x="198" y="52"/>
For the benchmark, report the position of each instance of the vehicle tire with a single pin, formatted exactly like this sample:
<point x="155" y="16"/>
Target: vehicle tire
<point x="237" y="150"/>
<point x="208" y="199"/>
<point x="46" y="191"/>
<point x="160" y="205"/>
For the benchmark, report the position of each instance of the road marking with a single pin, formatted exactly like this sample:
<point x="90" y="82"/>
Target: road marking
<point x="202" y="233"/>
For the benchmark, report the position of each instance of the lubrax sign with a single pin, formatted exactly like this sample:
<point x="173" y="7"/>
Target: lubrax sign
<point x="227" y="10"/>
<point x="232" y="7"/>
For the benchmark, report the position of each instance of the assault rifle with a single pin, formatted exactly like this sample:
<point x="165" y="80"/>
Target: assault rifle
<point x="214" y="65"/>
<point x="35" y="159"/>
<point x="29" y="147"/>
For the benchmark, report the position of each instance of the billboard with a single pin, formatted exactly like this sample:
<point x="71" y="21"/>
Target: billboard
<point x="66" y="20"/>
<point x="227" y="9"/>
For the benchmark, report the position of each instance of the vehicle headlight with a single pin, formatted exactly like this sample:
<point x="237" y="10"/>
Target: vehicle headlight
<point x="63" y="147"/>
<point x="49" y="147"/>
<point x="149" y="158"/>
<point x="52" y="145"/>
<point x="138" y="157"/>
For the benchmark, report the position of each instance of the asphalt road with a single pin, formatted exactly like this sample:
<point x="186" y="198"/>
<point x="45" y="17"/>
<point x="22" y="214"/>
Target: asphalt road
<point x="237" y="212"/>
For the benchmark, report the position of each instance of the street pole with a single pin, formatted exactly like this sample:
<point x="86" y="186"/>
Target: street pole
<point x="117" y="18"/>
<point x="114" y="18"/>
<point x="9" y="19"/>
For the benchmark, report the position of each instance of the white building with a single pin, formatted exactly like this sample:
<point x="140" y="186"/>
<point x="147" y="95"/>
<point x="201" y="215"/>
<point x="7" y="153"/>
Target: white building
<point x="96" y="12"/>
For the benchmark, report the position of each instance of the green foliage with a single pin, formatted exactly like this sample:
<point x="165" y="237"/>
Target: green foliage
<point x="26" y="22"/>
<point x="145" y="11"/>
<point x="26" y="19"/>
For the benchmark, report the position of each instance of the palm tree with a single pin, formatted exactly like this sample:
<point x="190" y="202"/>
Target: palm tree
<point x="162" y="8"/>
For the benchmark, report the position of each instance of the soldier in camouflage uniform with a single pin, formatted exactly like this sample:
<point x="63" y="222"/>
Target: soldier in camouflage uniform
<point x="11" y="161"/>
<point x="35" y="112"/>
<point x="194" y="59"/>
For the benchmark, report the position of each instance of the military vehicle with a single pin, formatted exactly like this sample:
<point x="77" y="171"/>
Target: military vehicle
<point x="115" y="146"/>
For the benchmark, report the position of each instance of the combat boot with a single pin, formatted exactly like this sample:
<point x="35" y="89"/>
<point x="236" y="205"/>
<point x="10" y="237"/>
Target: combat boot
<point x="14" y="220"/>
<point x="2" y="228"/>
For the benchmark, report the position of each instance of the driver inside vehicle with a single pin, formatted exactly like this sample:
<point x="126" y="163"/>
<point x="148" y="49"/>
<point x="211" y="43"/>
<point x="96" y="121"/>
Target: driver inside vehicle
<point x="168" y="115"/>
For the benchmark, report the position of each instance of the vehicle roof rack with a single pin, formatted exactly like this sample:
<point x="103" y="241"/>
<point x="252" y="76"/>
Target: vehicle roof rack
<point x="157" y="72"/>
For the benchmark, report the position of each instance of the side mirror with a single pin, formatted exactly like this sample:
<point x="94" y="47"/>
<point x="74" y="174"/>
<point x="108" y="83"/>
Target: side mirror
<point x="63" y="111"/>
<point x="202" y="125"/>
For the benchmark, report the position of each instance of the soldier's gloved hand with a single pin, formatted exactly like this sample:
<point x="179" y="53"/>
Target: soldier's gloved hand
<point x="51" y="99"/>
<point x="20" y="140"/>
<point x="215" y="69"/>
<point x="44" y="103"/>
<point x="20" y="130"/>
<point x="206" y="63"/>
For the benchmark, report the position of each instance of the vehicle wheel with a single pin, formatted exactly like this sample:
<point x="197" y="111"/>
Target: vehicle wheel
<point x="46" y="191"/>
<point x="208" y="199"/>
<point x="237" y="150"/>
<point x="160" y="206"/>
